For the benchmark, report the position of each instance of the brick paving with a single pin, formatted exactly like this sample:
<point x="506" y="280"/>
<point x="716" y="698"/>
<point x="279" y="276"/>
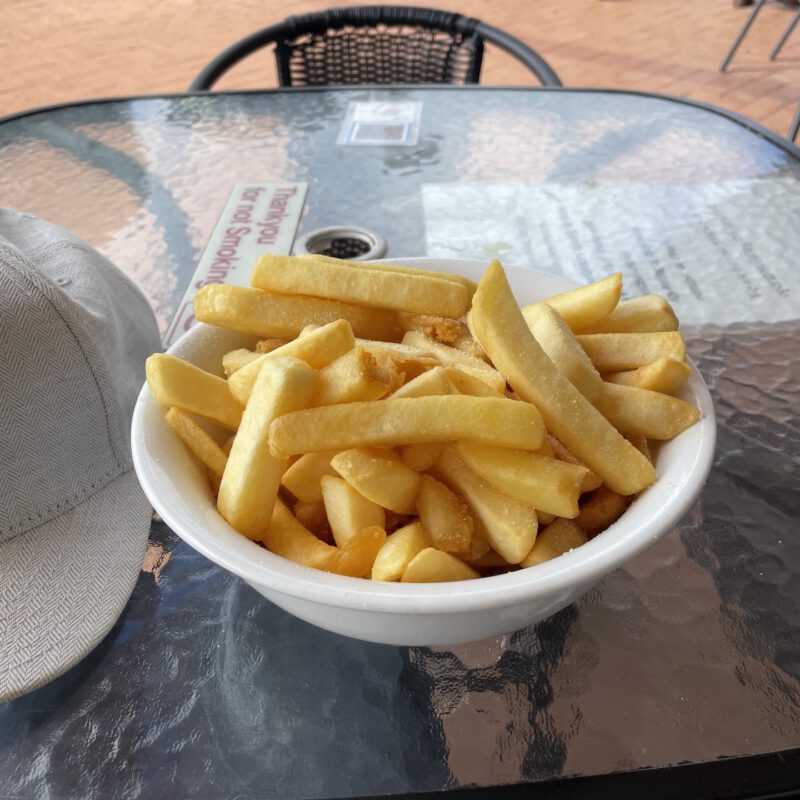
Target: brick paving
<point x="55" y="52"/>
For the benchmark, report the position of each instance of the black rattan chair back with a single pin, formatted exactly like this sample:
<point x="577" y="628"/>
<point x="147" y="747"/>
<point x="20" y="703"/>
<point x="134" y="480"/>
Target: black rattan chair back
<point x="376" y="45"/>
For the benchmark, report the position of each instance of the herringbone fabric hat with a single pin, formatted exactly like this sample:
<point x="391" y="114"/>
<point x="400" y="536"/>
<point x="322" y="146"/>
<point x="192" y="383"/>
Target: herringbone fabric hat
<point x="74" y="335"/>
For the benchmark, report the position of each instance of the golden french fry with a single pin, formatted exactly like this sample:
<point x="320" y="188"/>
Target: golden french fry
<point x="268" y="345"/>
<point x="557" y="449"/>
<point x="252" y="475"/>
<point x="210" y="454"/>
<point x="421" y="457"/>
<point x="640" y="411"/>
<point x="380" y="476"/>
<point x="504" y="335"/>
<point x="545" y="483"/>
<point x="236" y="359"/>
<point x="509" y="525"/>
<point x="348" y="511"/>
<point x="411" y="361"/>
<point x="465" y="383"/>
<point x="432" y="382"/>
<point x="433" y="566"/>
<point x="303" y="477"/>
<point x="446" y="516"/>
<point x="666" y="375"/>
<point x="506" y="423"/>
<point x="357" y="555"/>
<point x="313" y="517"/>
<point x="641" y="444"/>
<point x="286" y="537"/>
<point x="561" y="346"/>
<point x="452" y="332"/>
<point x="450" y="357"/>
<point x="587" y="305"/>
<point x="556" y="539"/>
<point x="602" y="509"/>
<point x="398" y="551"/>
<point x="645" y="314"/>
<point x="317" y="348"/>
<point x="175" y="382"/>
<point x="379" y="289"/>
<point x="283" y="316"/>
<point x="354" y="377"/>
<point x="615" y="352"/>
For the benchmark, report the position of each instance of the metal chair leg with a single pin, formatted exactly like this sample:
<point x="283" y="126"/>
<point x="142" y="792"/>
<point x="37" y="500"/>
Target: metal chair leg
<point x="793" y="128"/>
<point x="786" y="34"/>
<point x="753" y="14"/>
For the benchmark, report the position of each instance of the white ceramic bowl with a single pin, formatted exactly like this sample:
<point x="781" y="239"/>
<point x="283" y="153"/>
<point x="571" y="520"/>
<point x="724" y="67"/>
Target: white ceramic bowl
<point x="412" y="614"/>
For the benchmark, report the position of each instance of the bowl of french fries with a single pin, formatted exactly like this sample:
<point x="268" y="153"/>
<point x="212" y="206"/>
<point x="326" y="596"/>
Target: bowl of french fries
<point x="422" y="452"/>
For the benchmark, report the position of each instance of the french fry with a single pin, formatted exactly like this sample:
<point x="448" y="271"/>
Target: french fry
<point x="421" y="457"/>
<point x="398" y="551"/>
<point x="450" y="357"/>
<point x="602" y="509"/>
<point x="174" y="382"/>
<point x="252" y="475"/>
<point x="645" y="413"/>
<point x="356" y="376"/>
<point x="348" y="511"/>
<point x="509" y="525"/>
<point x="380" y="476"/>
<point x="268" y="345"/>
<point x="545" y="483"/>
<point x="647" y="313"/>
<point x="379" y="289"/>
<point x="466" y="383"/>
<point x="318" y="349"/>
<point x="432" y="382"/>
<point x="357" y="555"/>
<point x="666" y="375"/>
<point x="506" y="423"/>
<point x="209" y="453"/>
<point x="433" y="566"/>
<point x="504" y="335"/>
<point x="587" y="305"/>
<point x="556" y="539"/>
<point x="590" y="481"/>
<point x="303" y="478"/>
<point x="313" y="517"/>
<point x="445" y="516"/>
<point x="452" y="332"/>
<point x="283" y="316"/>
<point x="236" y="359"/>
<point x="616" y="352"/>
<point x="286" y="537"/>
<point x="561" y="346"/>
<point x="411" y="361"/>
<point x="641" y="444"/>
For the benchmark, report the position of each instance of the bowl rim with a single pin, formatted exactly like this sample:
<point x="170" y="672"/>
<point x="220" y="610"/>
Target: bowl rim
<point x="580" y="567"/>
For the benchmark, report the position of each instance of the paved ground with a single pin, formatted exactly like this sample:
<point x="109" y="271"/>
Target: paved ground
<point x="53" y="52"/>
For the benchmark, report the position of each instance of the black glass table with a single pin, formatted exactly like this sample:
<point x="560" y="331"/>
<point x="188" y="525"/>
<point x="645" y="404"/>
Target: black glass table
<point x="677" y="676"/>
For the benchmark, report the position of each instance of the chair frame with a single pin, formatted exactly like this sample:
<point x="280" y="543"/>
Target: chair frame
<point x="759" y="4"/>
<point x="367" y="16"/>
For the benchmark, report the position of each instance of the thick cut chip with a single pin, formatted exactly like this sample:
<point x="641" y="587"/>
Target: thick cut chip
<point x="645" y="413"/>
<point x="556" y="539"/>
<point x="411" y="361"/>
<point x="422" y="456"/>
<point x="587" y="305"/>
<point x="509" y="525"/>
<point x="288" y="538"/>
<point x="450" y="357"/>
<point x="445" y="515"/>
<point x="356" y="376"/>
<point x="348" y="511"/>
<point x="645" y="314"/>
<point x="666" y="375"/>
<point x="252" y="475"/>
<point x="379" y="289"/>
<point x="303" y="478"/>
<point x="313" y="517"/>
<point x="408" y="420"/>
<point x="398" y="551"/>
<point x="465" y="383"/>
<point x="317" y="348"/>
<point x="603" y="508"/>
<point x="282" y="316"/>
<point x="433" y="566"/>
<point x="452" y="332"/>
<point x="504" y="334"/>
<point x="175" y="382"/>
<point x="236" y="359"/>
<point x="268" y="345"/>
<point x="210" y="454"/>
<point x="380" y="476"/>
<point x="560" y="344"/>
<point x="615" y="352"/>
<point x="545" y="483"/>
<point x="357" y="555"/>
<point x="432" y="382"/>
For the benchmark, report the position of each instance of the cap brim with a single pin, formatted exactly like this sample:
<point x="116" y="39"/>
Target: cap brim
<point x="65" y="583"/>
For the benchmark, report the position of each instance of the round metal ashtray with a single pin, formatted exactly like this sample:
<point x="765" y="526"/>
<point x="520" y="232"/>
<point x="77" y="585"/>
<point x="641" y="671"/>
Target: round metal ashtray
<point x="349" y="242"/>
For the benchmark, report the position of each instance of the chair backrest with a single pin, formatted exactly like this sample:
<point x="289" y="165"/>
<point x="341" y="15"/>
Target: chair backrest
<point x="376" y="45"/>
